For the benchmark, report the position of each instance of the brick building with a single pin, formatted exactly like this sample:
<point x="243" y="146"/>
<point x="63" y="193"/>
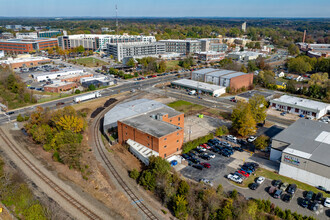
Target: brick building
<point x="60" y="87"/>
<point x="148" y="123"/>
<point x="27" y="45"/>
<point x="75" y="77"/>
<point x="25" y="62"/>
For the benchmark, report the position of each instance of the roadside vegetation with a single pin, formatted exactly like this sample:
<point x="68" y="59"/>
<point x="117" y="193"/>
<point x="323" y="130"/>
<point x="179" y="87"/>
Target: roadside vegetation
<point x="59" y="132"/>
<point x="188" y="200"/>
<point x="13" y="92"/>
<point x="187" y="108"/>
<point x="88" y="62"/>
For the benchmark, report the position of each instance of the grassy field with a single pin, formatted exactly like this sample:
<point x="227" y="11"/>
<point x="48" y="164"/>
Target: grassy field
<point x="172" y="65"/>
<point x="186" y="107"/>
<point x="274" y="176"/>
<point x="89" y="62"/>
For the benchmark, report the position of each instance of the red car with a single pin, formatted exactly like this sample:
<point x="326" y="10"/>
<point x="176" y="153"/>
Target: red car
<point x="153" y="76"/>
<point x="243" y="173"/>
<point x="205" y="146"/>
<point x="233" y="100"/>
<point x="206" y="165"/>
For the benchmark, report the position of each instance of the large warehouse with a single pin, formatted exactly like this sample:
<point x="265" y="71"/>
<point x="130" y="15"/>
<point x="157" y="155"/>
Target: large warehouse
<point x="226" y="78"/>
<point x="296" y="105"/>
<point x="304" y="151"/>
<point x="201" y="87"/>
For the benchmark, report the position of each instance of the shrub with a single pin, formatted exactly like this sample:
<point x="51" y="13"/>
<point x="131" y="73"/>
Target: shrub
<point x="77" y="91"/>
<point x="20" y="118"/>
<point x="223" y="130"/>
<point x="193" y="144"/>
<point x="134" y="174"/>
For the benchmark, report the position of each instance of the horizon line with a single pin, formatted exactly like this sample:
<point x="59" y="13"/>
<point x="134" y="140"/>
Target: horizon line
<point x="171" y="17"/>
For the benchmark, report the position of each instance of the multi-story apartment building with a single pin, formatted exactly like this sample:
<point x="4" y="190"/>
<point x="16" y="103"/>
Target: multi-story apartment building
<point x="100" y="41"/>
<point x="121" y="51"/>
<point x="182" y="46"/>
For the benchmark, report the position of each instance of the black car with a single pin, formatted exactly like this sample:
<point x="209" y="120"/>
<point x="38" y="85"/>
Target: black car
<point x="292" y="188"/>
<point x="248" y="168"/>
<point x="191" y="154"/>
<point x="309" y="195"/>
<point x="314" y="206"/>
<point x="286" y="197"/>
<point x="198" y="166"/>
<point x="254" y="186"/>
<point x="205" y="156"/>
<point x="305" y="203"/>
<point x="278" y="194"/>
<point x="321" y="188"/>
<point x="195" y="160"/>
<point x="186" y="156"/>
<point x="238" y="149"/>
<point x="215" y="149"/>
<point x="277" y="183"/>
<point x="10" y="113"/>
<point x="319" y="198"/>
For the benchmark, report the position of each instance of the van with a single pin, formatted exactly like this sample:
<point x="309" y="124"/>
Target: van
<point x="192" y="92"/>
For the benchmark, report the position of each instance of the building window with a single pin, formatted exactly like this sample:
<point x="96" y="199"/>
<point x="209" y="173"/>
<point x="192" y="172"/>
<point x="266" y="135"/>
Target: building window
<point x="126" y="133"/>
<point x="178" y="123"/>
<point x="177" y="141"/>
<point x="177" y="149"/>
<point x="148" y="144"/>
<point x="165" y="146"/>
<point x="165" y="139"/>
<point x="178" y="118"/>
<point x="125" y="126"/>
<point x="164" y="155"/>
<point x="177" y="133"/>
<point x="148" y="137"/>
<point x="171" y="120"/>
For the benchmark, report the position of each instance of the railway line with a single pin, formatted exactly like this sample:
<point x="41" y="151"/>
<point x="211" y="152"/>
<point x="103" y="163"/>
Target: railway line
<point x="74" y="202"/>
<point x="101" y="150"/>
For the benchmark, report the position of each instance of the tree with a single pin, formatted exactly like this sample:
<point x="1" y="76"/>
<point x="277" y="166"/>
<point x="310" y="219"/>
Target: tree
<point x="299" y="65"/>
<point x="72" y="123"/>
<point x="293" y="49"/>
<point x="130" y="62"/>
<point x="162" y="66"/>
<point x="70" y="154"/>
<point x="320" y="79"/>
<point x="183" y="188"/>
<point x="91" y="87"/>
<point x="19" y="118"/>
<point x="35" y="212"/>
<point x="252" y="66"/>
<point x="222" y="130"/>
<point x="148" y="180"/>
<point x="258" y="106"/>
<point x="134" y="174"/>
<point x="77" y="91"/>
<point x="242" y="119"/>
<point x="261" y="142"/>
<point x="243" y="69"/>
<point x="180" y="207"/>
<point x="80" y="49"/>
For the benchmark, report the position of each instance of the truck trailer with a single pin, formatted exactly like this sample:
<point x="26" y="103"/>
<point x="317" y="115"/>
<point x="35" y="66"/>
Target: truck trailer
<point x="87" y="97"/>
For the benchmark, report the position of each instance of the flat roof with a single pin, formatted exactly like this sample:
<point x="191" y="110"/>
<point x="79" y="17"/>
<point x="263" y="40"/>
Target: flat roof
<point x="307" y="104"/>
<point x="220" y="72"/>
<point x="232" y="75"/>
<point x="307" y="139"/>
<point x="204" y="71"/>
<point x="57" y="72"/>
<point x="28" y="41"/>
<point x="60" y="84"/>
<point x="145" y="123"/>
<point x="251" y="93"/>
<point x="206" y="87"/>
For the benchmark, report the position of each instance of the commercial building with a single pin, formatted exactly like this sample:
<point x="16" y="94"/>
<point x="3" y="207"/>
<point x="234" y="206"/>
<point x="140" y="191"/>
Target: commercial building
<point x="247" y="95"/>
<point x="226" y="78"/>
<point x="27" y="45"/>
<point x="121" y="51"/>
<point x="148" y="123"/>
<point x="60" y="87"/>
<point x="303" y="150"/>
<point x="42" y="77"/>
<point x="100" y="41"/>
<point x="97" y="81"/>
<point x="75" y="77"/>
<point x="200" y="87"/>
<point x="210" y="56"/>
<point x="244" y="27"/>
<point x="25" y="62"/>
<point x="49" y="34"/>
<point x="24" y="35"/>
<point x="182" y="46"/>
<point x="244" y="55"/>
<point x="14" y="27"/>
<point x="6" y="35"/>
<point x="296" y="105"/>
<point x="213" y="44"/>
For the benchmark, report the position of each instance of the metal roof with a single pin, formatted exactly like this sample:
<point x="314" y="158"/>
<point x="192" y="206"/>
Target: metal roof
<point x="220" y="72"/>
<point x="204" y="71"/>
<point x="205" y="87"/>
<point x="307" y="139"/>
<point x="232" y="75"/>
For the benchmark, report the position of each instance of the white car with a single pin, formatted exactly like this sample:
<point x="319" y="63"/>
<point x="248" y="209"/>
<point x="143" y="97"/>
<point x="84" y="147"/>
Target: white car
<point x="231" y="138"/>
<point x="201" y="148"/>
<point x="252" y="138"/>
<point x="327" y="202"/>
<point x="211" y="155"/>
<point x="206" y="181"/>
<point x="260" y="179"/>
<point x="226" y="144"/>
<point x="234" y="178"/>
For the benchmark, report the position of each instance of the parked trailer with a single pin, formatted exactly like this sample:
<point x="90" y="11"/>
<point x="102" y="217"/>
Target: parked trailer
<point x="87" y="97"/>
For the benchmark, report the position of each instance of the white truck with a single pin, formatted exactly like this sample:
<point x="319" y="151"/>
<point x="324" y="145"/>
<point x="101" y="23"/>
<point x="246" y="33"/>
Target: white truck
<point x="87" y="97"/>
<point x="192" y="92"/>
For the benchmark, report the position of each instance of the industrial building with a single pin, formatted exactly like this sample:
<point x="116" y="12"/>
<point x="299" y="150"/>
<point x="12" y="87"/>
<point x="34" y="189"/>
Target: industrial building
<point x="75" y="77"/>
<point x="60" y="87"/>
<point x="120" y="51"/>
<point x="210" y="56"/>
<point x="249" y="94"/>
<point x="244" y="55"/>
<point x="27" y="45"/>
<point x="182" y="46"/>
<point x="100" y="41"/>
<point x="25" y="62"/>
<point x="303" y="150"/>
<point x="226" y="78"/>
<point x="147" y="124"/>
<point x="97" y="81"/>
<point x="42" y="77"/>
<point x="296" y="105"/>
<point x="200" y="87"/>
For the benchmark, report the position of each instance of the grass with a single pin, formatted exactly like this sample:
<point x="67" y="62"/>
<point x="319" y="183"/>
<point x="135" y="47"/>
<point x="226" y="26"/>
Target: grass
<point x="274" y="176"/>
<point x="185" y="107"/>
<point x="172" y="65"/>
<point x="89" y="62"/>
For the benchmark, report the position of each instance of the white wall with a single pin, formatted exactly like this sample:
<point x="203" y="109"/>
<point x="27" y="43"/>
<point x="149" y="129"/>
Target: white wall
<point x="304" y="176"/>
<point x="275" y="155"/>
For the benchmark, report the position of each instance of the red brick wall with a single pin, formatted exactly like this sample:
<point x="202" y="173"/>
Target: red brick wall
<point x="16" y="47"/>
<point x="176" y="120"/>
<point x="239" y="82"/>
<point x="30" y="63"/>
<point x="48" y="44"/>
<point x="60" y="88"/>
<point x="76" y="78"/>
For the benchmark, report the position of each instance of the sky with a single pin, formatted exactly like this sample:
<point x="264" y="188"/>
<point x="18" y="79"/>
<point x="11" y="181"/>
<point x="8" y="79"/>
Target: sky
<point x="165" y="8"/>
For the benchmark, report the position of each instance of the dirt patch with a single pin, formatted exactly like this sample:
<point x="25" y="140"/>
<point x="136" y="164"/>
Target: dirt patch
<point x="126" y="158"/>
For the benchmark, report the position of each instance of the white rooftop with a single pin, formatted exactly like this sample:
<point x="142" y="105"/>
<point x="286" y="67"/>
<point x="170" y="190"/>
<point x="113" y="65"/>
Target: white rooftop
<point x="197" y="85"/>
<point x="25" y="59"/>
<point x="296" y="101"/>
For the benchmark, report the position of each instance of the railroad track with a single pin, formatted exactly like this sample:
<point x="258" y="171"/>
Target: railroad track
<point x="122" y="183"/>
<point x="83" y="209"/>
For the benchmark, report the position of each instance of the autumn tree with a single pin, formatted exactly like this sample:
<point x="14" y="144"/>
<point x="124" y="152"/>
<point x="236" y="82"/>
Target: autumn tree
<point x="180" y="207"/>
<point x="70" y="122"/>
<point x="320" y="79"/>
<point x="258" y="106"/>
<point x="130" y="62"/>
<point x="162" y="66"/>
<point x="261" y="142"/>
<point x="299" y="65"/>
<point x="242" y="119"/>
<point x="293" y="49"/>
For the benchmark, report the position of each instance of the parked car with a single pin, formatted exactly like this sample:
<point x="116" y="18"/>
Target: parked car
<point x="201" y="148"/>
<point x="319" y="198"/>
<point x="284" y="186"/>
<point x="198" y="166"/>
<point x="260" y="179"/>
<point x="243" y="173"/>
<point x="205" y="146"/>
<point x="186" y="156"/>
<point x="248" y="171"/>
<point x="206" y="181"/>
<point x="235" y="178"/>
<point x="231" y="138"/>
<point x="292" y="188"/>
<point x="277" y="183"/>
<point x="309" y="195"/>
<point x="286" y="197"/>
<point x="195" y="160"/>
<point x="304" y="203"/>
<point x="278" y="194"/>
<point x="314" y="206"/>
<point x="211" y="155"/>
<point x="283" y="113"/>
<point x="321" y="188"/>
<point x="327" y="202"/>
<point x="205" y="156"/>
<point x="233" y="99"/>
<point x="10" y="113"/>
<point x="238" y="149"/>
<point x="251" y="139"/>
<point x="206" y="165"/>
<point x="225" y="144"/>
<point x="272" y="190"/>
<point x="254" y="186"/>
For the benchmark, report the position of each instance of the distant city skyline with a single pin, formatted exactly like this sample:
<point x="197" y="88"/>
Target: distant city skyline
<point x="168" y="8"/>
